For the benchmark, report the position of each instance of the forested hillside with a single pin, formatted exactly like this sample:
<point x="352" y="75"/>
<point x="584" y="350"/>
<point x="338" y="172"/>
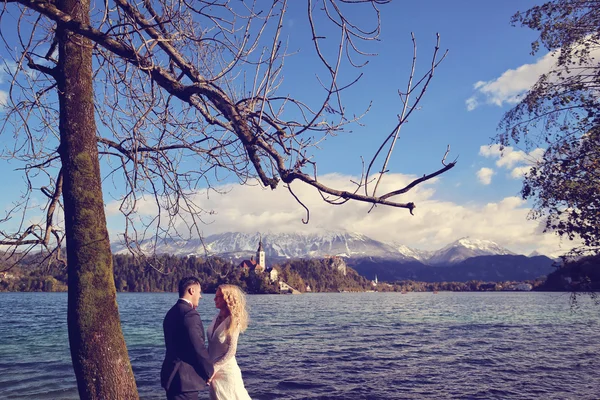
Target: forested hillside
<point x="163" y="273"/>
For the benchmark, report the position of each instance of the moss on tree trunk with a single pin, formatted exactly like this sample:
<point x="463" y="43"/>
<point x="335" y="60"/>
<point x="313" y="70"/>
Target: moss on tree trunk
<point x="98" y="349"/>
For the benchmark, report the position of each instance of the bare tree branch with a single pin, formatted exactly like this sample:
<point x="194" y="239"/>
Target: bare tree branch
<point x="188" y="96"/>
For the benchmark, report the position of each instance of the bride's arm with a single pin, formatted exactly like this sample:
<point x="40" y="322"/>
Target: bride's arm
<point x="231" y="343"/>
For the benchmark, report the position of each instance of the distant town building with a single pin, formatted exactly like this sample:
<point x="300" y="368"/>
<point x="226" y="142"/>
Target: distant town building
<point x="6" y="276"/>
<point x="285" y="288"/>
<point x="248" y="265"/>
<point x="259" y="269"/>
<point x="489" y="286"/>
<point x="523" y="287"/>
<point x="273" y="275"/>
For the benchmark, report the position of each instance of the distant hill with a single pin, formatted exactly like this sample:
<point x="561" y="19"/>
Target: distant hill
<point x="581" y="275"/>
<point x="483" y="268"/>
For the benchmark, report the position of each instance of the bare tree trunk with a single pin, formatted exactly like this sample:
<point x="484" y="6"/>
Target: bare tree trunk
<point x="98" y="349"/>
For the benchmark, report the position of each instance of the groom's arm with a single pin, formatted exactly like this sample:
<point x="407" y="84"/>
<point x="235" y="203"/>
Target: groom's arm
<point x="195" y="330"/>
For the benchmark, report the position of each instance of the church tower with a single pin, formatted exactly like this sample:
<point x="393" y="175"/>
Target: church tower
<point x="260" y="254"/>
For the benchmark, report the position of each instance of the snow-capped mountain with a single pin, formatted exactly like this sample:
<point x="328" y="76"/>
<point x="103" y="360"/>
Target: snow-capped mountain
<point x="465" y="248"/>
<point x="317" y="245"/>
<point x="279" y="245"/>
<point x="553" y="255"/>
<point x="295" y="245"/>
<point x="416" y="254"/>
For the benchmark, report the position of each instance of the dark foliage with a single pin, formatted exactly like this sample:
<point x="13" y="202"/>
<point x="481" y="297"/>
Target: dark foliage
<point x="321" y="276"/>
<point x="581" y="275"/>
<point x="561" y="115"/>
<point x="130" y="276"/>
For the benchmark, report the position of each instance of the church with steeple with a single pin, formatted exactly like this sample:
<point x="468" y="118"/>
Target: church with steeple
<point x="257" y="265"/>
<point x="260" y="254"/>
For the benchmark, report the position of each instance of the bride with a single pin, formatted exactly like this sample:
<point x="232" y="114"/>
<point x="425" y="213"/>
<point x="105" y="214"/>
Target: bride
<point x="226" y="381"/>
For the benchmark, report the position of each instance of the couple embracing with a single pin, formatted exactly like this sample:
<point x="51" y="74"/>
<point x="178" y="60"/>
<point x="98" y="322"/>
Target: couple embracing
<point x="188" y="363"/>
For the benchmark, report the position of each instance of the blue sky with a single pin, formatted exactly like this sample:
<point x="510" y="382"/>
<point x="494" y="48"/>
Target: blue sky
<point x="472" y="89"/>
<point x="482" y="45"/>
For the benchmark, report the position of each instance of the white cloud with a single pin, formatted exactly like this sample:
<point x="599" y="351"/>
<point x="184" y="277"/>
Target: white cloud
<point x="3" y="99"/>
<point x="434" y="225"/>
<point x="494" y="150"/>
<point x="511" y="157"/>
<point x="520" y="172"/>
<point x="509" y="87"/>
<point x="478" y="84"/>
<point x="518" y="161"/>
<point x="512" y="84"/>
<point x="18" y="219"/>
<point x="471" y="103"/>
<point x="485" y="175"/>
<point x="7" y="68"/>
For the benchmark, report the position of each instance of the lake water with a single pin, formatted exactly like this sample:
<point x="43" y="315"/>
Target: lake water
<point x="339" y="346"/>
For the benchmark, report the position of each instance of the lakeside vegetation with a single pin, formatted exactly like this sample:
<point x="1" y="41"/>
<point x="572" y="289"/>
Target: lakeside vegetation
<point x="131" y="276"/>
<point x="304" y="275"/>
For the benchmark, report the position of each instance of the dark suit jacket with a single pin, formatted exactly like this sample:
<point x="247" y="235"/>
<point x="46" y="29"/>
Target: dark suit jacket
<point x="186" y="361"/>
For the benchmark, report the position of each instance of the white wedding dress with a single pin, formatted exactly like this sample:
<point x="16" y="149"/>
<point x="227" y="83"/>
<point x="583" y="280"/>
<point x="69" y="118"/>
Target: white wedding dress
<point x="227" y="383"/>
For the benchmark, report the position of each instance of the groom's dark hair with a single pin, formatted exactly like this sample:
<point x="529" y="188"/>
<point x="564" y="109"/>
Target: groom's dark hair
<point x="186" y="282"/>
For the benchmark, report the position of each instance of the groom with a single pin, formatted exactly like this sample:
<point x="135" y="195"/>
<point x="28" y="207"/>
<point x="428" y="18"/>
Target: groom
<point x="186" y="365"/>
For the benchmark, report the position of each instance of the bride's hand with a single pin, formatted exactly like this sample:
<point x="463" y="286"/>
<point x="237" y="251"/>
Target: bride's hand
<point x="209" y="381"/>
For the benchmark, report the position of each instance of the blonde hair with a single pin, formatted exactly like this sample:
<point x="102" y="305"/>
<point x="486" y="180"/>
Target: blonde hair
<point x="236" y="304"/>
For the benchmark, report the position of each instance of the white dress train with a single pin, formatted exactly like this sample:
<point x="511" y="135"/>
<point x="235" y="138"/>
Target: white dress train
<point x="227" y="383"/>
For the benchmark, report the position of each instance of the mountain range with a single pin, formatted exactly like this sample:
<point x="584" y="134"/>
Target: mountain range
<point x="277" y="246"/>
<point x="490" y="268"/>
<point x="462" y="260"/>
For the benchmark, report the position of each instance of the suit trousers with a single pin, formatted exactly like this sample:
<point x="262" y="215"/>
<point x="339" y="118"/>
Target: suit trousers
<point x="177" y="395"/>
<point x="182" y="396"/>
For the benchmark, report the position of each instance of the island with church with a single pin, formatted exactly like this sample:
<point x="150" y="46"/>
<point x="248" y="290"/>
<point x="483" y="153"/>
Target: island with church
<point x="327" y="273"/>
<point x="163" y="272"/>
<point x="258" y="268"/>
<point x="298" y="276"/>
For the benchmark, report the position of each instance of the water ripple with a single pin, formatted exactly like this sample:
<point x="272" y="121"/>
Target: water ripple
<point x="339" y="346"/>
